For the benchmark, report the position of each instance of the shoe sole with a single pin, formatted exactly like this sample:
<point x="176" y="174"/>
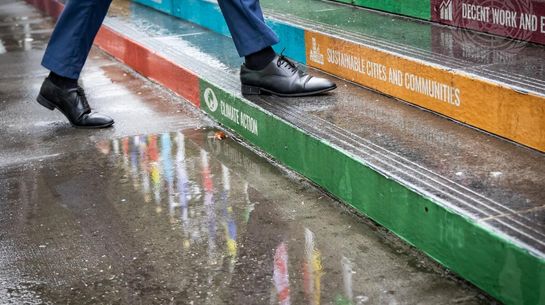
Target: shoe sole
<point x="47" y="104"/>
<point x="253" y="90"/>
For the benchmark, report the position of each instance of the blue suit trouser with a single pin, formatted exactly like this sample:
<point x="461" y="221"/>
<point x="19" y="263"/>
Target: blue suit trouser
<point x="80" y="21"/>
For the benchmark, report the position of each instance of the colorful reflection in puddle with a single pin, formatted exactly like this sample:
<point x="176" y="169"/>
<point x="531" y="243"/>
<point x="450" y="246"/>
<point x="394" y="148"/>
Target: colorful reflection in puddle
<point x="209" y="203"/>
<point x="190" y="218"/>
<point x="157" y="167"/>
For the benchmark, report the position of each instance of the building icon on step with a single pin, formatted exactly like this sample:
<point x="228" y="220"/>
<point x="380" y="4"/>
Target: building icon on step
<point x="445" y="10"/>
<point x="315" y="54"/>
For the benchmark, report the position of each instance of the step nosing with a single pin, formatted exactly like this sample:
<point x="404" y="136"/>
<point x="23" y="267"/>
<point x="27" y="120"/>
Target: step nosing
<point x="517" y="241"/>
<point x="513" y="82"/>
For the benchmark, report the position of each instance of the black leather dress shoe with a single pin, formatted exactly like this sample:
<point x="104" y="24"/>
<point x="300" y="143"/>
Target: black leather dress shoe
<point x="283" y="78"/>
<point x="73" y="104"/>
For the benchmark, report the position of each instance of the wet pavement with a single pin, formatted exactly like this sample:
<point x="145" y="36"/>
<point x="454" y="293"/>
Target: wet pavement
<point x="183" y="218"/>
<point x="163" y="209"/>
<point x="30" y="132"/>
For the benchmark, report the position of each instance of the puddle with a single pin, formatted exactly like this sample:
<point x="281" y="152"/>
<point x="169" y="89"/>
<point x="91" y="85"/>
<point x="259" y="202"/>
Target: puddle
<point x="191" y="218"/>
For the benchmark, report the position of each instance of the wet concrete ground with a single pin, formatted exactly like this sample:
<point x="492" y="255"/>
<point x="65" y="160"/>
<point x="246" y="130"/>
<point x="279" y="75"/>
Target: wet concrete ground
<point x="29" y="131"/>
<point x="160" y="210"/>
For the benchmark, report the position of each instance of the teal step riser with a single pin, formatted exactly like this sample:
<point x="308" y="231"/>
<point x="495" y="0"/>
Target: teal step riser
<point x="208" y="15"/>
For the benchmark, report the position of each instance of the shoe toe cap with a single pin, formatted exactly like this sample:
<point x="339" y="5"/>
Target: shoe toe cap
<point x="318" y="84"/>
<point x="96" y="120"/>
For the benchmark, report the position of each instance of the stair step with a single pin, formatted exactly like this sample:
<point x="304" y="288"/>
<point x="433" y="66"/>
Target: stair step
<point x="412" y="8"/>
<point x="491" y="83"/>
<point x="518" y="19"/>
<point x="470" y="201"/>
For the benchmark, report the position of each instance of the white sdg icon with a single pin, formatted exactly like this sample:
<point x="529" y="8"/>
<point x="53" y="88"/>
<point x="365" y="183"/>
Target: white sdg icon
<point x="210" y="99"/>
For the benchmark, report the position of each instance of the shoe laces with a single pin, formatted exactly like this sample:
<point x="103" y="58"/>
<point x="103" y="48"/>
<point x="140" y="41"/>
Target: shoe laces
<point x="283" y="61"/>
<point x="81" y="94"/>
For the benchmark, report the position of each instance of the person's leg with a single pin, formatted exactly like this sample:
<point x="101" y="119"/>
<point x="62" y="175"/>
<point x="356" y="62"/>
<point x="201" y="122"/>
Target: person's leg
<point x="247" y="26"/>
<point x="73" y="36"/>
<point x="65" y="56"/>
<point x="264" y="71"/>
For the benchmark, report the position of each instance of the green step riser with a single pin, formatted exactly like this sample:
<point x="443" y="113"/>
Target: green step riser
<point x="495" y="265"/>
<point x="413" y="8"/>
